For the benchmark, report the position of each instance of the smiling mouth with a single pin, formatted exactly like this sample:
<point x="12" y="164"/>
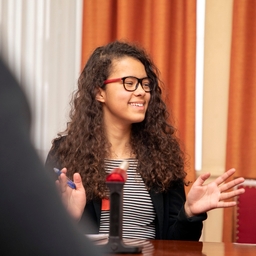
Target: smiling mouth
<point x="137" y="104"/>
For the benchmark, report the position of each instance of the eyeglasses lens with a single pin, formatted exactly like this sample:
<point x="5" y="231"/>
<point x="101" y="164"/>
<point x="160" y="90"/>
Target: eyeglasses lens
<point x="131" y="84"/>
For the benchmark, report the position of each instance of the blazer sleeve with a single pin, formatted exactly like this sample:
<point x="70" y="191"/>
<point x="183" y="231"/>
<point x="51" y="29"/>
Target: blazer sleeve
<point x="180" y="227"/>
<point x="52" y="160"/>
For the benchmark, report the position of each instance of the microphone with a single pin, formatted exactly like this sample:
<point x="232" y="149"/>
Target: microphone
<point x="115" y="182"/>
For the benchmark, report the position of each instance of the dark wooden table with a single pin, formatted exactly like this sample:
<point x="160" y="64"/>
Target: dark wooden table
<point x="188" y="248"/>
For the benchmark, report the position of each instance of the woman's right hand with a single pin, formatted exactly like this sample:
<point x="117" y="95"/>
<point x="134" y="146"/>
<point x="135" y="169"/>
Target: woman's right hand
<point x="74" y="199"/>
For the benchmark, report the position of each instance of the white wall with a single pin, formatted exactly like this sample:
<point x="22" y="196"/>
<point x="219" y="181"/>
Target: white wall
<point x="41" y="42"/>
<point x="218" y="32"/>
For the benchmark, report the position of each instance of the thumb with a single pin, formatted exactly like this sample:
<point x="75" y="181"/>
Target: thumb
<point x="201" y="179"/>
<point x="78" y="181"/>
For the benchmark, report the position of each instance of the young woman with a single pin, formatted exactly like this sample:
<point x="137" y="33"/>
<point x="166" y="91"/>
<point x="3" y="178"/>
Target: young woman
<point x="118" y="114"/>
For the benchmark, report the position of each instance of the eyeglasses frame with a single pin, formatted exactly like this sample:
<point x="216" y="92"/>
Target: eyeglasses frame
<point x="113" y="80"/>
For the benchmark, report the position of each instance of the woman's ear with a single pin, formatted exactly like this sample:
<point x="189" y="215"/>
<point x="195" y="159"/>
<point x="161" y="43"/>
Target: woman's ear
<point x="100" y="95"/>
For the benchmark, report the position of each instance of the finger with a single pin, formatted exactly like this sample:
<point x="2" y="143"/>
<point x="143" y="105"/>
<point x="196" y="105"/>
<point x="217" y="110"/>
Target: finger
<point x="231" y="184"/>
<point x="224" y="176"/>
<point x="225" y="204"/>
<point x="57" y="183"/>
<point x="63" y="182"/>
<point x="64" y="170"/>
<point x="228" y="195"/>
<point x="78" y="181"/>
<point x="201" y="179"/>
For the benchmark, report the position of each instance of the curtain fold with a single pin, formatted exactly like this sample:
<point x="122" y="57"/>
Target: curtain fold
<point x="167" y="30"/>
<point x="241" y="134"/>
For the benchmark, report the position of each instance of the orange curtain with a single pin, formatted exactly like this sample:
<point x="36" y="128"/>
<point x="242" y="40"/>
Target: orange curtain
<point x="167" y="30"/>
<point x="241" y="137"/>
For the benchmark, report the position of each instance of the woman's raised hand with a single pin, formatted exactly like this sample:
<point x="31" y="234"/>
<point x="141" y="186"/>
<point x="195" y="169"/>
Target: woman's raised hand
<point x="73" y="199"/>
<point x="202" y="198"/>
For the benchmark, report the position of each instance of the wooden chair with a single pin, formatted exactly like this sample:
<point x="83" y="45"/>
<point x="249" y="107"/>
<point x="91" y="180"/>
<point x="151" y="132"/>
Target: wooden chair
<point x="245" y="214"/>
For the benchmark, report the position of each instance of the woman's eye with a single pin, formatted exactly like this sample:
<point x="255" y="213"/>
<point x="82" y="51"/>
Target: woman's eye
<point x="129" y="83"/>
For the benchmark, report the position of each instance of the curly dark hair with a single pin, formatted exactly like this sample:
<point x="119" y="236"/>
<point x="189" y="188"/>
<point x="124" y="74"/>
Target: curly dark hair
<point x="153" y="141"/>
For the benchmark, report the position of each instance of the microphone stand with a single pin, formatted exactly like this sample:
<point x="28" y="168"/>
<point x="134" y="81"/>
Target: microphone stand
<point x="115" y="243"/>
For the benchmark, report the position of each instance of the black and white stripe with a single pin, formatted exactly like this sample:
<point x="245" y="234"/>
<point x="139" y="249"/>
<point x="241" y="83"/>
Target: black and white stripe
<point x="138" y="209"/>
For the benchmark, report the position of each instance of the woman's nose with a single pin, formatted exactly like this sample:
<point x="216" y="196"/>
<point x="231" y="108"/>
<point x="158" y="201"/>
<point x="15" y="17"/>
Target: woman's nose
<point x="139" y="90"/>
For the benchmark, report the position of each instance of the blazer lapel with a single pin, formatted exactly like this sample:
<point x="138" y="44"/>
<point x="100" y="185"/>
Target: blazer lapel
<point x="97" y="208"/>
<point x="157" y="200"/>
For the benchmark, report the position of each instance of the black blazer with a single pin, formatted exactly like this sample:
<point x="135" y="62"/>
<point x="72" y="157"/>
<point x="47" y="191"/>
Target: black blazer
<point x="171" y="221"/>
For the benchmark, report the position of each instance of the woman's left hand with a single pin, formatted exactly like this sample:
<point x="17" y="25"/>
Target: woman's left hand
<point x="202" y="198"/>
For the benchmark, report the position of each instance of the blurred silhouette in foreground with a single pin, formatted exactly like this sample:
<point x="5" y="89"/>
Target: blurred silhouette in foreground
<point x="33" y="220"/>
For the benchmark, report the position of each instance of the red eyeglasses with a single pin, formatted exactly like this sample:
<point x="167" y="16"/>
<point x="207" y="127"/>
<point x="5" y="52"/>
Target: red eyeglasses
<point x="131" y="83"/>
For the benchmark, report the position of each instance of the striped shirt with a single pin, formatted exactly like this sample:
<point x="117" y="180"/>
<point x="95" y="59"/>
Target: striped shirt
<point x="138" y="210"/>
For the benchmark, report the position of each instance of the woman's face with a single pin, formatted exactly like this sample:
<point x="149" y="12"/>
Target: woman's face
<point x="121" y="106"/>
